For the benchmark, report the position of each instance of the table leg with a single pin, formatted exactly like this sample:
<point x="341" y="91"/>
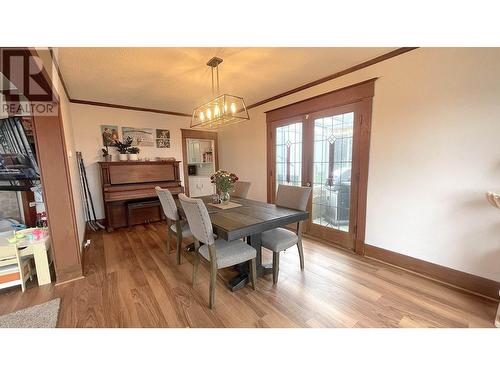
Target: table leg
<point x="42" y="266"/>
<point x="240" y="280"/>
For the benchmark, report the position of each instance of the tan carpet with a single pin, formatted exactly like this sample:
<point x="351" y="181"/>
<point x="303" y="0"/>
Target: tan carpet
<point x="39" y="316"/>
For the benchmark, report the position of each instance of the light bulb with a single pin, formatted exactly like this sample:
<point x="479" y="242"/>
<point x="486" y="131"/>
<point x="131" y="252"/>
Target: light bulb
<point x="225" y="108"/>
<point x="233" y="107"/>
<point x="209" y="113"/>
<point x="216" y="111"/>
<point x="202" y="116"/>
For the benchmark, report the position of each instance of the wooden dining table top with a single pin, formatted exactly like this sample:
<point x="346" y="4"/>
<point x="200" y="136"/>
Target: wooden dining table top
<point x="251" y="218"/>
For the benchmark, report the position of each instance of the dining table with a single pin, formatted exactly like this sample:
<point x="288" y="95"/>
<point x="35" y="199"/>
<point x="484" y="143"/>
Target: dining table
<point x="248" y="221"/>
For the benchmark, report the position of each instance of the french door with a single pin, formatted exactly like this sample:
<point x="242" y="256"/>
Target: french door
<point x="321" y="150"/>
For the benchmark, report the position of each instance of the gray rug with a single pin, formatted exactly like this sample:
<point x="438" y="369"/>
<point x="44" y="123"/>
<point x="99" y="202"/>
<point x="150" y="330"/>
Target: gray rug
<point x="39" y="316"/>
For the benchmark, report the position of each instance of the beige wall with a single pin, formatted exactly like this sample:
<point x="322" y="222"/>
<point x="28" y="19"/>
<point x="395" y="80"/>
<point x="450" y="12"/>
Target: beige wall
<point x="87" y="121"/>
<point x="434" y="152"/>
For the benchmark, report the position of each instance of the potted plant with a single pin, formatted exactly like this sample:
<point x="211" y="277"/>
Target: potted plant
<point x="224" y="182"/>
<point x="105" y="153"/>
<point x="123" y="148"/>
<point x="133" y="152"/>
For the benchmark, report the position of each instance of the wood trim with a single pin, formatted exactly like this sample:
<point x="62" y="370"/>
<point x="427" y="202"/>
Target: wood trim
<point x="131" y="108"/>
<point x="197" y="134"/>
<point x="56" y="182"/>
<point x="389" y="55"/>
<point x="56" y="63"/>
<point x="462" y="280"/>
<point x="342" y="96"/>
<point x="364" y="163"/>
<point x="352" y="69"/>
<point x="361" y="95"/>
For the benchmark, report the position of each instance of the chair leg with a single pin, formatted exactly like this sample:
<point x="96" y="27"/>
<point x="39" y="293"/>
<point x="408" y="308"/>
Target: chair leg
<point x="253" y="272"/>
<point x="179" y="247"/>
<point x="301" y="254"/>
<point x="168" y="240"/>
<point x="196" y="261"/>
<point x="213" y="279"/>
<point x="276" y="267"/>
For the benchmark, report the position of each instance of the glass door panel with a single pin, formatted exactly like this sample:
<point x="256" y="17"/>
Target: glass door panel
<point x="288" y="146"/>
<point x="332" y="169"/>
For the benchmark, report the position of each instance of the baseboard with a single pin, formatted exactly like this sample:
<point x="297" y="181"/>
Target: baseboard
<point x="69" y="274"/>
<point x="472" y="283"/>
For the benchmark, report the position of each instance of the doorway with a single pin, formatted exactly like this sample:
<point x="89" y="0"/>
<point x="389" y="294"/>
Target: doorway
<point x="326" y="149"/>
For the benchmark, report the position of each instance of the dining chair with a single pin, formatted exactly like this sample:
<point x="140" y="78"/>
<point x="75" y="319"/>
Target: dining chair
<point x="241" y="189"/>
<point x="219" y="253"/>
<point x="280" y="239"/>
<point x="174" y="224"/>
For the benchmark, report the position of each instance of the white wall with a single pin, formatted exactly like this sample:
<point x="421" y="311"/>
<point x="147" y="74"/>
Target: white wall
<point x="87" y="121"/>
<point x="435" y="150"/>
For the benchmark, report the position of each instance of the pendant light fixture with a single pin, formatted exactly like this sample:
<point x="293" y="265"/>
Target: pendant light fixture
<point x="223" y="109"/>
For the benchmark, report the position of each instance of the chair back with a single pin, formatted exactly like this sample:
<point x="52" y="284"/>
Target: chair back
<point x="241" y="189"/>
<point x="198" y="219"/>
<point x="294" y="197"/>
<point x="167" y="203"/>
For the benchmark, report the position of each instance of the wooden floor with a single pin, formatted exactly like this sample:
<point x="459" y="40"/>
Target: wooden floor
<point x="131" y="282"/>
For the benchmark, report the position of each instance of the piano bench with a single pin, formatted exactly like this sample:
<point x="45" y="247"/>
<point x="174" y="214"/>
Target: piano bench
<point x="144" y="212"/>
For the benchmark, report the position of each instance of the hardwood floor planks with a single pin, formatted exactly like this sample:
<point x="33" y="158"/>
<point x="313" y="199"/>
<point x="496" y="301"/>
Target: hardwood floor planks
<point x="131" y="281"/>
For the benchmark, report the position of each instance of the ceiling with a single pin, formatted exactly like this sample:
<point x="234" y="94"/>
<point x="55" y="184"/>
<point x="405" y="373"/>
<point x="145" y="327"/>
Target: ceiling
<point x="178" y="79"/>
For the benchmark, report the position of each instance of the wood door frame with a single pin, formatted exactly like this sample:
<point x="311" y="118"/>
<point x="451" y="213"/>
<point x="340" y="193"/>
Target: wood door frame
<point x="339" y="237"/>
<point x="197" y="134"/>
<point x="360" y="93"/>
<point x="53" y="162"/>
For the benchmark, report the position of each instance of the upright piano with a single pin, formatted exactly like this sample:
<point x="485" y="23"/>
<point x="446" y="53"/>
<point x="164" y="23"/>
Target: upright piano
<point x="128" y="190"/>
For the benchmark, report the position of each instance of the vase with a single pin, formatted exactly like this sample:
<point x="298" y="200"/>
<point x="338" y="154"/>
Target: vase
<point x="108" y="158"/>
<point x="224" y="197"/>
<point x="122" y="157"/>
<point x="132" y="157"/>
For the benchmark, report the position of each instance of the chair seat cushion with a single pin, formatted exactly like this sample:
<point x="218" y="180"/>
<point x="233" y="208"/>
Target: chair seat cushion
<point x="186" y="232"/>
<point x="229" y="253"/>
<point x="279" y="239"/>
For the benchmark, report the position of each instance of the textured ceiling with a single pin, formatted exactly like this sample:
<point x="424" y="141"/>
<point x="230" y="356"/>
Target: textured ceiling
<point x="177" y="79"/>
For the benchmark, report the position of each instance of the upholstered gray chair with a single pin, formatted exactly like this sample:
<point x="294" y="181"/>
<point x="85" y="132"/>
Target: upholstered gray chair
<point x="174" y="224"/>
<point x="241" y="189"/>
<point x="280" y="239"/>
<point x="219" y="253"/>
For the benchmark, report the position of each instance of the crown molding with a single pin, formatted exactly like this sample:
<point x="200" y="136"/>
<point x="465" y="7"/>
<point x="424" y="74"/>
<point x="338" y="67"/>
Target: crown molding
<point x="330" y="77"/>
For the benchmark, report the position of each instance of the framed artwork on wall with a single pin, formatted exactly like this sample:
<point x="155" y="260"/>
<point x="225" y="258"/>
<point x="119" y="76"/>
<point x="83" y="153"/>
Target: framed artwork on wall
<point x="143" y="137"/>
<point x="162" y="138"/>
<point x="163" y="133"/>
<point x="162" y="143"/>
<point x="109" y="134"/>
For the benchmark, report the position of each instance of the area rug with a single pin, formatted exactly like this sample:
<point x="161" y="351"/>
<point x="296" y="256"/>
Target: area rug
<point x="39" y="316"/>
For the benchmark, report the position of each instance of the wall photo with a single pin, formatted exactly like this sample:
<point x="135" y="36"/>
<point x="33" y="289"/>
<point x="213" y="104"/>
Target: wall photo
<point x="162" y="138"/>
<point x="109" y="134"/>
<point x="143" y="137"/>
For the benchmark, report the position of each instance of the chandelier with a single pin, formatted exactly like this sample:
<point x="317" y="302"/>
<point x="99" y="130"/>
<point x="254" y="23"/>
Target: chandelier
<point x="223" y="109"/>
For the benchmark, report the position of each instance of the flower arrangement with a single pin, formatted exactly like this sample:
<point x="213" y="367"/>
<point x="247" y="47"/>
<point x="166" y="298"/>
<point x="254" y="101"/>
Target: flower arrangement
<point x="223" y="180"/>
